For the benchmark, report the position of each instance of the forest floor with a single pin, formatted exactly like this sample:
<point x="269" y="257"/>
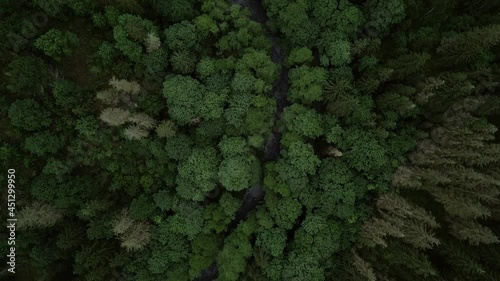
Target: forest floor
<point x="77" y="66"/>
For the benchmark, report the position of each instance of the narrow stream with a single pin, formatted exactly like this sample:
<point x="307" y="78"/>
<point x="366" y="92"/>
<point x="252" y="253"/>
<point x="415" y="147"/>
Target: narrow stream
<point x="280" y="91"/>
<point x="272" y="149"/>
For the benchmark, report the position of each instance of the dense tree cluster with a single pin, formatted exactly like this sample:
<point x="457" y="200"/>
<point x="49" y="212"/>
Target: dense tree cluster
<point x="252" y="140"/>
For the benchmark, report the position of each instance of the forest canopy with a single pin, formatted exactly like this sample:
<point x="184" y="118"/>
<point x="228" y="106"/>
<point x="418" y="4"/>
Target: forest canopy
<point x="297" y="140"/>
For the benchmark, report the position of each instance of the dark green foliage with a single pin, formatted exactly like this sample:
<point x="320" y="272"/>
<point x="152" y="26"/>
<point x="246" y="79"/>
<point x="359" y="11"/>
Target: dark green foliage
<point x="233" y="146"/>
<point x="188" y="220"/>
<point x="206" y="25"/>
<point x="303" y="121"/>
<point x="297" y="162"/>
<point x="129" y="33"/>
<point x="183" y="96"/>
<point x="55" y="166"/>
<point x="238" y="107"/>
<point x="155" y="61"/>
<point x="87" y="126"/>
<point x="178" y="147"/>
<point x="197" y="174"/>
<point x="219" y="215"/>
<point x="259" y="117"/>
<point x="407" y="65"/>
<point x="56" y="7"/>
<point x="203" y="249"/>
<point x="307" y="84"/>
<point x="56" y="43"/>
<point x="244" y="83"/>
<point x="284" y="211"/>
<point x="302" y="268"/>
<point x="213" y="105"/>
<point x="181" y="36"/>
<point x="363" y="152"/>
<point x="206" y="67"/>
<point x="67" y="94"/>
<point x="183" y="61"/>
<point x="237" y="249"/>
<point x="300" y="56"/>
<point x="27" y="74"/>
<point x="259" y="64"/>
<point x="235" y="173"/>
<point x="293" y="20"/>
<point x="141" y="208"/>
<point x="335" y="49"/>
<point x="340" y="190"/>
<point x="384" y="13"/>
<point x="299" y="158"/>
<point x="272" y="241"/>
<point x="396" y="102"/>
<point x="175" y="10"/>
<point x="294" y="140"/>
<point x="210" y="130"/>
<point x="470" y="47"/>
<point x="27" y="114"/>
